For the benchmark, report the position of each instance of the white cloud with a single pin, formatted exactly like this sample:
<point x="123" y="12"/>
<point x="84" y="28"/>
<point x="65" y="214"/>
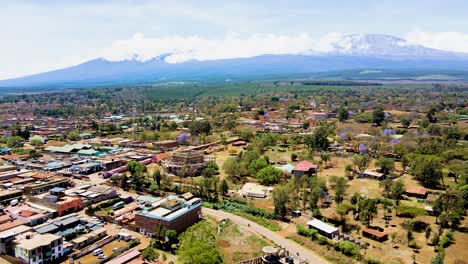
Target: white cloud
<point x="232" y="45"/>
<point x="450" y="40"/>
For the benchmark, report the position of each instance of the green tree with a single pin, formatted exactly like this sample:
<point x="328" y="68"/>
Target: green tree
<point x="458" y="170"/>
<point x="367" y="210"/>
<point x="135" y="168"/>
<point x="74" y="135"/>
<point x="340" y="185"/>
<point x="378" y="116"/>
<point x="293" y="156"/>
<point x="387" y="165"/>
<point x="343" y="114"/>
<point x="171" y="236"/>
<point x="200" y="128"/>
<point x="197" y="245"/>
<point x="405" y="121"/>
<point x="361" y="161"/>
<point x="157" y="177"/>
<point x="14" y="142"/>
<point x="280" y="198"/>
<point x="256" y="165"/>
<point x="33" y="154"/>
<point x="231" y="167"/>
<point x="150" y="254"/>
<point x="318" y="140"/>
<point x="325" y="157"/>
<point x="449" y="207"/>
<point x="427" y="169"/>
<point x="397" y="190"/>
<point x="427" y="233"/>
<point x="224" y="187"/>
<point x="269" y="175"/>
<point x="35" y="142"/>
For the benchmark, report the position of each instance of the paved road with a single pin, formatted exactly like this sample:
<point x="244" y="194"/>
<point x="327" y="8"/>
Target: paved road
<point x="291" y="246"/>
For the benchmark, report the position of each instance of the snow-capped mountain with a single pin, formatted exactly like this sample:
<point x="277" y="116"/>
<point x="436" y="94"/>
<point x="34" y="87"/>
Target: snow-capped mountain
<point x="349" y="52"/>
<point x="386" y="46"/>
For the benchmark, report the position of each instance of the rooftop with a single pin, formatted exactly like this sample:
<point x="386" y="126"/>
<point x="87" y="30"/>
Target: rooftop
<point x="416" y="190"/>
<point x="37" y="240"/>
<point x="305" y="165"/>
<point x="317" y="224"/>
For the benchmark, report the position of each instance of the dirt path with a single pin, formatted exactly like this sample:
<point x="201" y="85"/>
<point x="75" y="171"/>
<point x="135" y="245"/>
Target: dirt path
<point x="300" y="253"/>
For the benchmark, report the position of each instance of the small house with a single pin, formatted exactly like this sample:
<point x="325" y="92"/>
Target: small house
<point x="304" y="167"/>
<point x="374" y="234"/>
<point x="323" y="228"/>
<point x="372" y="175"/>
<point x="415" y="191"/>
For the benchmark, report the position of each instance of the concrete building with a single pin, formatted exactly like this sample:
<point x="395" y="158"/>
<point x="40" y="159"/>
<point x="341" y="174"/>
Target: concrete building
<point x="7" y="237"/>
<point x="38" y="248"/>
<point x="172" y="212"/>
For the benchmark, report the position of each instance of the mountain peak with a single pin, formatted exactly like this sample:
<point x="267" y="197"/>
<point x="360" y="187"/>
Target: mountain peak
<point x="355" y="51"/>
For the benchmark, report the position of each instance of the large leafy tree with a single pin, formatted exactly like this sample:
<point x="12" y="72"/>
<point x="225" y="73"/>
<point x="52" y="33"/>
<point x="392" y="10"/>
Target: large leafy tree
<point x="343" y="114"/>
<point x="387" y="165"/>
<point x="427" y="169"/>
<point x="135" y="168"/>
<point x="269" y="175"/>
<point x="361" y="161"/>
<point x="319" y="139"/>
<point x="197" y="245"/>
<point x="449" y="207"/>
<point x="200" y="128"/>
<point x="397" y="190"/>
<point x="280" y="198"/>
<point x="378" y="116"/>
<point x="340" y="185"/>
<point x="367" y="210"/>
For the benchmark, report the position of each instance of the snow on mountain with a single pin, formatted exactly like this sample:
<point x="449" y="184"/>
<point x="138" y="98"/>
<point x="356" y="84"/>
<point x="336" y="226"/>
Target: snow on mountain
<point x="345" y="52"/>
<point x="378" y="45"/>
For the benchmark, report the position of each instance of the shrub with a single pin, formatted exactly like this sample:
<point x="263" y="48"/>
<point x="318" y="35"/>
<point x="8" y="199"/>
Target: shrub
<point x="349" y="248"/>
<point x="414" y="244"/>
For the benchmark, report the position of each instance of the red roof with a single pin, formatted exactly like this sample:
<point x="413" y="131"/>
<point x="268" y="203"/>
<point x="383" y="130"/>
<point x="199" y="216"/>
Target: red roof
<point x="374" y="232"/>
<point x="26" y="213"/>
<point x="305" y="165"/>
<point x="416" y="190"/>
<point x="9" y="225"/>
<point x="125" y="257"/>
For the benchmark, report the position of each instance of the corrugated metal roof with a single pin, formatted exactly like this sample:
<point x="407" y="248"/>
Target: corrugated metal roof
<point x="317" y="224"/>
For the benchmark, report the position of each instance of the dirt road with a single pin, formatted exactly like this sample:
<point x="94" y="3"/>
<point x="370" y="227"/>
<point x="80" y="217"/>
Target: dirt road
<point x="300" y="253"/>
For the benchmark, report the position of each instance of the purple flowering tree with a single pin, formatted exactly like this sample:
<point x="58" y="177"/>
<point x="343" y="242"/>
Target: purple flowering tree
<point x="182" y="138"/>
<point x="388" y="132"/>
<point x="362" y="148"/>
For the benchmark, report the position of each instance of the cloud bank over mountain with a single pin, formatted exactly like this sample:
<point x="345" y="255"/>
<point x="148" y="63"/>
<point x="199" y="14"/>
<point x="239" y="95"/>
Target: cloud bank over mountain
<point x="178" y="49"/>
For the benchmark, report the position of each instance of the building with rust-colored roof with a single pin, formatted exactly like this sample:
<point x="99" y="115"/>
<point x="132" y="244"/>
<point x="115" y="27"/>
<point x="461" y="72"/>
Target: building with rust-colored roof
<point x="304" y="167"/>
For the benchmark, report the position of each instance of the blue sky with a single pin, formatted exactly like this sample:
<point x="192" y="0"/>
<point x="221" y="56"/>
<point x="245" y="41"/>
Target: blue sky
<point x="42" y="35"/>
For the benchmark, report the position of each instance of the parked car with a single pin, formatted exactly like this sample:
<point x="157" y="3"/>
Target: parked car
<point x="97" y="251"/>
<point x="102" y="256"/>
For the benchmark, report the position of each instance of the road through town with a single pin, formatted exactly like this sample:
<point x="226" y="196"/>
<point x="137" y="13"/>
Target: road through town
<point x="295" y="249"/>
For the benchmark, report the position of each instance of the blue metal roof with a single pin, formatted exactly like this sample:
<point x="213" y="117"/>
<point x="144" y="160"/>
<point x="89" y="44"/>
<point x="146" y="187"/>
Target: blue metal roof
<point x="57" y="189"/>
<point x="67" y="221"/>
<point x="47" y="229"/>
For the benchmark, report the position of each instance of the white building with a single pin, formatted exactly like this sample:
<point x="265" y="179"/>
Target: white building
<point x="38" y="248"/>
